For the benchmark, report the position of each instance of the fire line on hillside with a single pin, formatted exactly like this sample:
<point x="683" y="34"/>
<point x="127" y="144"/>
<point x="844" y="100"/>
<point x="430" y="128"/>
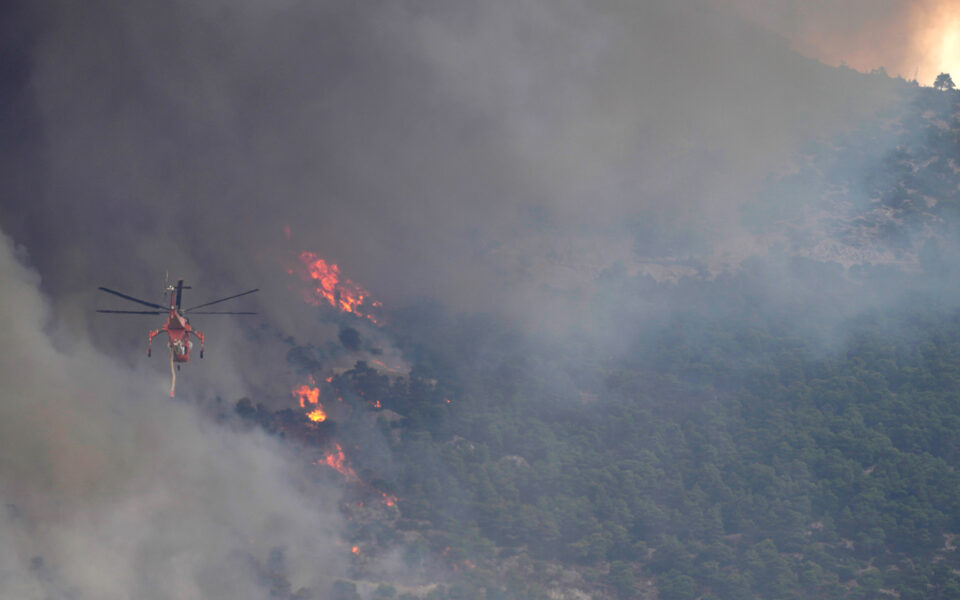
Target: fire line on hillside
<point x="327" y="284"/>
<point x="309" y="397"/>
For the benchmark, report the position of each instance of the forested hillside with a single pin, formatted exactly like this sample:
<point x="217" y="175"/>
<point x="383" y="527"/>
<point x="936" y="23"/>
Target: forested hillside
<point x="554" y="300"/>
<point x="765" y="437"/>
<point x="728" y="458"/>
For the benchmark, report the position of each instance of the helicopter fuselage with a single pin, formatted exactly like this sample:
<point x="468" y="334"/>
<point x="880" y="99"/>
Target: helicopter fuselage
<point x="178" y="332"/>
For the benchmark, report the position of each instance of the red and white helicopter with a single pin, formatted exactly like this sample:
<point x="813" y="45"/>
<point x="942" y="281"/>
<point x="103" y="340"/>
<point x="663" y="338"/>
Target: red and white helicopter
<point x="178" y="326"/>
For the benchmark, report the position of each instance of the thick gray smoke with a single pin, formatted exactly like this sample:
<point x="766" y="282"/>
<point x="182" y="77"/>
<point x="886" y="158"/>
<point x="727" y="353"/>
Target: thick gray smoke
<point x="474" y="152"/>
<point x="496" y="155"/>
<point x="108" y="493"/>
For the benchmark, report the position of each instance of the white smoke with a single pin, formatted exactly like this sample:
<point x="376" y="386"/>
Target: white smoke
<point x="112" y="491"/>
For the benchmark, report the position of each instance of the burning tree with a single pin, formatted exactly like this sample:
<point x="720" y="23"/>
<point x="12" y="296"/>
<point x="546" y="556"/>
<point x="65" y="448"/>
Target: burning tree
<point x="329" y="285"/>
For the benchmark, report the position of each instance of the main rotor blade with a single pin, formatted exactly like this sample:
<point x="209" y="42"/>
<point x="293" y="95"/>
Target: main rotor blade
<point x="133" y="312"/>
<point x="207" y="312"/>
<point x="132" y="299"/>
<point x="222" y="300"/>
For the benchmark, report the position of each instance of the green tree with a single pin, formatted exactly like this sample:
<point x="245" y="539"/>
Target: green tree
<point x="622" y="578"/>
<point x="674" y="585"/>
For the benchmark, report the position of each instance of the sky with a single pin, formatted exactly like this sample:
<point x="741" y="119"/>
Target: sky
<point x="431" y="149"/>
<point x="916" y="40"/>
<point x="493" y="156"/>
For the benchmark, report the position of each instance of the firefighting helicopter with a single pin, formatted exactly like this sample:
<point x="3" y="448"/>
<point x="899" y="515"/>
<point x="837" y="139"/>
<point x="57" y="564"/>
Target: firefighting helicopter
<point x="178" y="326"/>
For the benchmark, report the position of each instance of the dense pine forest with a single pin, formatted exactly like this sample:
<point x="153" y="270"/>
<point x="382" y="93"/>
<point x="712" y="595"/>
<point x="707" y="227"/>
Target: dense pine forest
<point x="756" y="436"/>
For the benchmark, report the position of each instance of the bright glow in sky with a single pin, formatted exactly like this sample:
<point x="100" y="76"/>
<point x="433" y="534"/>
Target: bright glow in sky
<point x="949" y="59"/>
<point x="910" y="38"/>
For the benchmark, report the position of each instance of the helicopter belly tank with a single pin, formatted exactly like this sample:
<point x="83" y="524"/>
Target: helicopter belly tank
<point x="180" y="345"/>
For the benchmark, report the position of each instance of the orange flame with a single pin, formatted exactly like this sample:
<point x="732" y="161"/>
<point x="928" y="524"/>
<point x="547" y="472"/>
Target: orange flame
<point x="310" y="395"/>
<point x="338" y="462"/>
<point x="306" y="394"/>
<point x="317" y="415"/>
<point x="338" y="291"/>
<point x="355" y="549"/>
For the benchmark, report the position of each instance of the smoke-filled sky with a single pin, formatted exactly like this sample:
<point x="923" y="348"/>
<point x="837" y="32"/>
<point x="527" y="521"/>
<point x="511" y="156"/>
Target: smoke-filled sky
<point x="489" y="155"/>
<point x="913" y="39"/>
<point x="108" y="493"/>
<point x="430" y="148"/>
